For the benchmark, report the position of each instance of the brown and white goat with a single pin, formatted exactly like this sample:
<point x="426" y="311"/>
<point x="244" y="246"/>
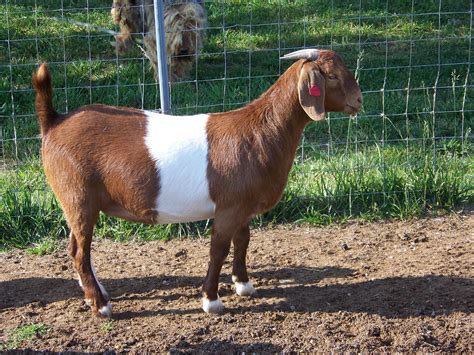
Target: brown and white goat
<point x="152" y="168"/>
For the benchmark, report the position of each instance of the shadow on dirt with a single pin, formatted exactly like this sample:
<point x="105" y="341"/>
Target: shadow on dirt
<point x="394" y="297"/>
<point x="19" y="292"/>
<point x="295" y="275"/>
<point x="183" y="347"/>
<point x="216" y="346"/>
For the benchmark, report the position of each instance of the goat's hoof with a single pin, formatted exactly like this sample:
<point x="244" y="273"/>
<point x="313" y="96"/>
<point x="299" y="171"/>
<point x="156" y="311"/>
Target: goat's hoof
<point x="244" y="288"/>
<point x="215" y="306"/>
<point x="105" y="311"/>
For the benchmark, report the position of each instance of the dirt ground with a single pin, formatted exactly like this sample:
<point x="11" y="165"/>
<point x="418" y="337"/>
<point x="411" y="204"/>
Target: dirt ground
<point x="388" y="286"/>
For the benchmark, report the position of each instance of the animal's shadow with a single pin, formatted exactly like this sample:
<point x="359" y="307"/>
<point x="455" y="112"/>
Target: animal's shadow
<point x="217" y="346"/>
<point x="19" y="292"/>
<point x="392" y="297"/>
<point x="204" y="347"/>
<point x="22" y="291"/>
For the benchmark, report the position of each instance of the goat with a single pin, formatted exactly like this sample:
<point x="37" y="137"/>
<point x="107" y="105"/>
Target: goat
<point x="153" y="168"/>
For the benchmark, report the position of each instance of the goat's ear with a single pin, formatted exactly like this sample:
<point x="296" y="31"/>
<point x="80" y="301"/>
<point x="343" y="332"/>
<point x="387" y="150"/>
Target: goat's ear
<point x="311" y="88"/>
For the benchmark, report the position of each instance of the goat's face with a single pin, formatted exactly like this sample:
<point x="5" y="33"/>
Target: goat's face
<point x="327" y="85"/>
<point x="184" y="24"/>
<point x="183" y="53"/>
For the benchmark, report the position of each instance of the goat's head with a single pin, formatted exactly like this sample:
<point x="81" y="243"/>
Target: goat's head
<point x="325" y="84"/>
<point x="184" y="24"/>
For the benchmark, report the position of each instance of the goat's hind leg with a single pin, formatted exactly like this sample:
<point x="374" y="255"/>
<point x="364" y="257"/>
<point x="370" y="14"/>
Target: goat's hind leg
<point x="79" y="249"/>
<point x="243" y="287"/>
<point x="72" y="250"/>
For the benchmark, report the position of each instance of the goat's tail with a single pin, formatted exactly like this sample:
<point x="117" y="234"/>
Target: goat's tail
<point x="44" y="98"/>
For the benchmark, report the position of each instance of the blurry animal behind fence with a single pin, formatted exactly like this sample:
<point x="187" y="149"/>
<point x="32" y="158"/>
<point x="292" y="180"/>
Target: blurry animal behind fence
<point x="185" y="21"/>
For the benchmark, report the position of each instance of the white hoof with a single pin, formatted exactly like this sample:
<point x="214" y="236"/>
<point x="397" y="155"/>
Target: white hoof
<point x="215" y="306"/>
<point x="244" y="288"/>
<point x="106" y="311"/>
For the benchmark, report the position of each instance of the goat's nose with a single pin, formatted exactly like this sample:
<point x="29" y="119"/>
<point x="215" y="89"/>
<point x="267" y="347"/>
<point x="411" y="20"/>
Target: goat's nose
<point x="359" y="100"/>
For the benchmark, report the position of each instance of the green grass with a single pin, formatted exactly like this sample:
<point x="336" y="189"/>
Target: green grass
<point x="44" y="246"/>
<point x="372" y="183"/>
<point x="107" y="326"/>
<point x="408" y="152"/>
<point x="22" y="334"/>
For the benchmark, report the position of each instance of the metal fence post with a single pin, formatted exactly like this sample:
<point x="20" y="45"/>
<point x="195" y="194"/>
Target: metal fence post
<point x="161" y="55"/>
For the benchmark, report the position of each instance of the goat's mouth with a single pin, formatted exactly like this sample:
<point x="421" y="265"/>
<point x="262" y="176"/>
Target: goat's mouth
<point x="351" y="110"/>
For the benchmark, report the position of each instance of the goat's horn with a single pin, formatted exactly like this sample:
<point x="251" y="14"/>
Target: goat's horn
<point x="311" y="54"/>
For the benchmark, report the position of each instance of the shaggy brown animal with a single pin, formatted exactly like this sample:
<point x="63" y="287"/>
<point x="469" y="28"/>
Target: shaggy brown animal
<point x="152" y="168"/>
<point x="184" y="24"/>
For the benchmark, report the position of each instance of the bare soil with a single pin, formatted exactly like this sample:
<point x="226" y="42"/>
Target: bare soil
<point x="387" y="286"/>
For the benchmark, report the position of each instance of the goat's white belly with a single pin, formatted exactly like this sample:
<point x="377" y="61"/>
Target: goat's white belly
<point x="178" y="146"/>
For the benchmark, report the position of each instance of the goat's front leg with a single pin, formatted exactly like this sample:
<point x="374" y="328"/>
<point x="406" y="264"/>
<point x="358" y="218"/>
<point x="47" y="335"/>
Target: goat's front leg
<point x="222" y="233"/>
<point x="243" y="287"/>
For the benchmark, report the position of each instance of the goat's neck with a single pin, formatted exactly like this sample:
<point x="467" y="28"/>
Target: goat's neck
<point x="285" y="110"/>
<point x="280" y="116"/>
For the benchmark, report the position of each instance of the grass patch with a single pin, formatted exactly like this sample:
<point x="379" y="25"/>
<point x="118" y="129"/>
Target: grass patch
<point x="44" y="247"/>
<point x="407" y="153"/>
<point x="371" y="183"/>
<point x="375" y="183"/>
<point x="22" y="334"/>
<point x="107" y="326"/>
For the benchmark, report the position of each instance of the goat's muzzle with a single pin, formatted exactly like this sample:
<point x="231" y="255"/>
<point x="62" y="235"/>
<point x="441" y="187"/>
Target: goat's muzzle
<point x="354" y="107"/>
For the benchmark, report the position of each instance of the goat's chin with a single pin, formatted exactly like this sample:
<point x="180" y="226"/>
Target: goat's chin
<point x="351" y="110"/>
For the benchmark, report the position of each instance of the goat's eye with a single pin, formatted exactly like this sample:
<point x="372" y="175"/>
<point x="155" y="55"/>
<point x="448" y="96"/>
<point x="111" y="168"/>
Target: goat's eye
<point x="332" y="76"/>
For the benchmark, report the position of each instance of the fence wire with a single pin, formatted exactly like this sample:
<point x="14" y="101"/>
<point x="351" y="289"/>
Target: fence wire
<point x="412" y="59"/>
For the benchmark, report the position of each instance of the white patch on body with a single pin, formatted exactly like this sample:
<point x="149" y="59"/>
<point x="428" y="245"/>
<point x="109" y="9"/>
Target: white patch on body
<point x="243" y="288"/>
<point x="179" y="147"/>
<point x="106" y="311"/>
<point x="215" y="306"/>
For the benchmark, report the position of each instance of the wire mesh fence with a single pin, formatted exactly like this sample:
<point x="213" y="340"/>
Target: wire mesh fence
<point x="413" y="61"/>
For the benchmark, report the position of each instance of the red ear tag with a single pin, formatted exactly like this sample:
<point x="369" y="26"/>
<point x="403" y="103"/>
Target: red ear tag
<point x="314" y="91"/>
